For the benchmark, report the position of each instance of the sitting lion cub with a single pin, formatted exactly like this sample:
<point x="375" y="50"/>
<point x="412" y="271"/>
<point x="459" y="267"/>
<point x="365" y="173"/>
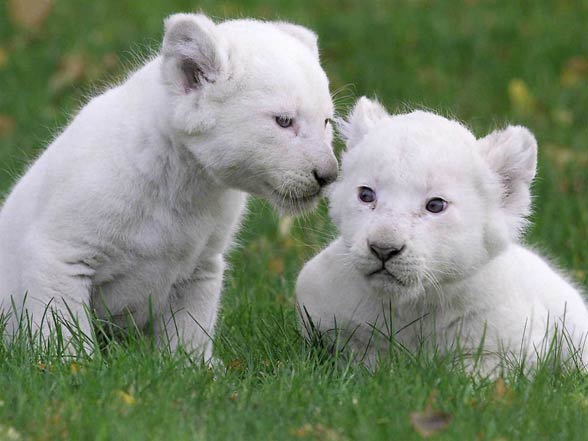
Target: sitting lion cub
<point x="129" y="212"/>
<point x="430" y="221"/>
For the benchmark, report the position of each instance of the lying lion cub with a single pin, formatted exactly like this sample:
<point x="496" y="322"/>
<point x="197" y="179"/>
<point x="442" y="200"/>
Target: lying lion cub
<point x="430" y="221"/>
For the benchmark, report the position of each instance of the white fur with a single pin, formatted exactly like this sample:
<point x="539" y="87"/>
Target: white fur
<point x="130" y="210"/>
<point x="463" y="277"/>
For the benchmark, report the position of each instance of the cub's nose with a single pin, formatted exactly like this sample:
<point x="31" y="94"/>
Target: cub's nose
<point x="324" y="178"/>
<point x="385" y="253"/>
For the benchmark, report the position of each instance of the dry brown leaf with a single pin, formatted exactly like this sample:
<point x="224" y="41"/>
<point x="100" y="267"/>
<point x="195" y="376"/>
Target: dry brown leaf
<point x="72" y="69"/>
<point x="302" y="432"/>
<point x="316" y="431"/>
<point x="7" y="124"/>
<point x="109" y="61"/>
<point x="429" y="421"/>
<point x="236" y="365"/>
<point x="501" y="391"/>
<point x="3" y="57"/>
<point x="574" y="71"/>
<point x="276" y="265"/>
<point x="29" y="14"/>
<point x="74" y="368"/>
<point x="563" y="117"/>
<point x="562" y="156"/>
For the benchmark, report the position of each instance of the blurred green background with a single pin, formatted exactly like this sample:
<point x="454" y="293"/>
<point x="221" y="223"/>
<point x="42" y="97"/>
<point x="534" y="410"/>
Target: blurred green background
<point x="485" y="63"/>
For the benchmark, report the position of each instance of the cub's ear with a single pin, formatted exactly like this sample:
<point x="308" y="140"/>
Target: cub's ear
<point x="193" y="52"/>
<point x="512" y="154"/>
<point x="304" y="35"/>
<point x="365" y="114"/>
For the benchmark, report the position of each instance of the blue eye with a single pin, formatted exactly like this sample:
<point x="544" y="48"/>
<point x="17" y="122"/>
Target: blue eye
<point x="284" y="121"/>
<point x="366" y="195"/>
<point x="436" y="205"/>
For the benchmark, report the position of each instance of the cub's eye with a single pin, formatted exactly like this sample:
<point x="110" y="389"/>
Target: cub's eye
<point x="436" y="205"/>
<point x="284" y="121"/>
<point x="366" y="195"/>
<point x="327" y="121"/>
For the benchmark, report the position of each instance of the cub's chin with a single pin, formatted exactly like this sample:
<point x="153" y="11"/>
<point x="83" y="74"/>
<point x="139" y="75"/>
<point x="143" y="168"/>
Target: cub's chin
<point x="390" y="285"/>
<point x="292" y="204"/>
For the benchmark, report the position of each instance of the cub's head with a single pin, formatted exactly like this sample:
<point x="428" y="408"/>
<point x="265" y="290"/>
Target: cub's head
<point x="252" y="103"/>
<point x="421" y="202"/>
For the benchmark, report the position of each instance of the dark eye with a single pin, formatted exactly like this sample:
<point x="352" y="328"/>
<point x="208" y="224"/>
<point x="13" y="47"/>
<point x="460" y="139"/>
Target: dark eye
<point x="284" y="121"/>
<point x="436" y="205"/>
<point x="366" y="195"/>
<point x="327" y="121"/>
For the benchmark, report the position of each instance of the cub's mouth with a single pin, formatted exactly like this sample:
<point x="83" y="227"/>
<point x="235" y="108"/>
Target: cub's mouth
<point x="294" y="202"/>
<point x="383" y="273"/>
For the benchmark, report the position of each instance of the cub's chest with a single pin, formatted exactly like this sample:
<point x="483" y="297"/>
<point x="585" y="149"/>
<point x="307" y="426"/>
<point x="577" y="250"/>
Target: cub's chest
<point x="173" y="239"/>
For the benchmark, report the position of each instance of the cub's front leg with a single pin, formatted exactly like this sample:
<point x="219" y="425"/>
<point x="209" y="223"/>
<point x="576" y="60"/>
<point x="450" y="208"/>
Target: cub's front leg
<point x="57" y="297"/>
<point x="190" y="316"/>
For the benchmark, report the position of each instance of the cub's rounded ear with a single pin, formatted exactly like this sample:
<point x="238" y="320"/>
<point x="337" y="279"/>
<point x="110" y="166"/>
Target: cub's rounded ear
<point x="304" y="35"/>
<point x="365" y="114"/>
<point x="193" y="52"/>
<point x="512" y="154"/>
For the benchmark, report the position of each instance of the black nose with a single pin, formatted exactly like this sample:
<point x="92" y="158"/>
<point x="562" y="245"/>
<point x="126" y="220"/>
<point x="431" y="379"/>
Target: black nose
<point x="385" y="253"/>
<point x="324" y="179"/>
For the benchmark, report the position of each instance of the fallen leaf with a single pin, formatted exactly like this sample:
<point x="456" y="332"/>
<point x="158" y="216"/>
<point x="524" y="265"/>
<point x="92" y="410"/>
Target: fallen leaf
<point x="29" y="14"/>
<point x="126" y="398"/>
<point x="429" y="421"/>
<point x="3" y="57"/>
<point x="109" y="61"/>
<point x="574" y="71"/>
<point x="501" y="391"/>
<point x="234" y="396"/>
<point x="317" y="431"/>
<point x="72" y="69"/>
<point x="281" y="299"/>
<point x="302" y="432"/>
<point x="563" y="117"/>
<point x="561" y="156"/>
<point x="520" y="97"/>
<point x="236" y="365"/>
<point x="7" y="124"/>
<point x="276" y="265"/>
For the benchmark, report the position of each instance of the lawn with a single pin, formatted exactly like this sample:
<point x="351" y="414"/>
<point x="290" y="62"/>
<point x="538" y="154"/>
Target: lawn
<point x="483" y="62"/>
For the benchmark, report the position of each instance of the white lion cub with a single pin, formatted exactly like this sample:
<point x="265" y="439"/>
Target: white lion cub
<point x="130" y="210"/>
<point x="430" y="220"/>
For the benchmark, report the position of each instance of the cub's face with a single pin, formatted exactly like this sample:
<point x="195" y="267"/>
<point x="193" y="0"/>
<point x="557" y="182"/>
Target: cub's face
<point x="417" y="204"/>
<point x="258" y="115"/>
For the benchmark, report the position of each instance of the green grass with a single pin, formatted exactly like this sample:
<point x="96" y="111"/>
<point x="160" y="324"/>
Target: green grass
<point x="461" y="58"/>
